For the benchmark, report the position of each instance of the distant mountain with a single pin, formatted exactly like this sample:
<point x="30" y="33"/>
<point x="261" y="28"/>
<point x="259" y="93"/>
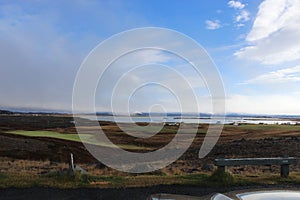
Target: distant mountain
<point x="260" y="115"/>
<point x="104" y="114"/>
<point x="140" y="114"/>
<point x="6" y="112"/>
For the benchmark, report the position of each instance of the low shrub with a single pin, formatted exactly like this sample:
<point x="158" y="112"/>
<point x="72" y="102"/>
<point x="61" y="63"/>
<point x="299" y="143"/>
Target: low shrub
<point x="221" y="178"/>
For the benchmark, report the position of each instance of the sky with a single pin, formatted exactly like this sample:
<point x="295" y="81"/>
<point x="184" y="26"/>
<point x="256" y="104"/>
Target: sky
<point x="254" y="44"/>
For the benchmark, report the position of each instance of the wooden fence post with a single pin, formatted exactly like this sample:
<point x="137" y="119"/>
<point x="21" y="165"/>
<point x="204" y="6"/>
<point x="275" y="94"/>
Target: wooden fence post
<point x="71" y="166"/>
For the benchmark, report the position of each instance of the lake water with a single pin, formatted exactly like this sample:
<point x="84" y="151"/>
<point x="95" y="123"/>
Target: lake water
<point x="190" y="120"/>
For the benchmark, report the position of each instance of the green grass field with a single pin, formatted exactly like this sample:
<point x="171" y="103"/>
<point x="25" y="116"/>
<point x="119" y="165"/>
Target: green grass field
<point x="87" y="138"/>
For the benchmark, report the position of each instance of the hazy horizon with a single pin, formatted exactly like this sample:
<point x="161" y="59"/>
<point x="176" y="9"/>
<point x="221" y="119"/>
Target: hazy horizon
<point x="228" y="114"/>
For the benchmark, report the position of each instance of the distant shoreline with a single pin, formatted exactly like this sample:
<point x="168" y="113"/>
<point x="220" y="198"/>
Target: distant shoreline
<point x="169" y="117"/>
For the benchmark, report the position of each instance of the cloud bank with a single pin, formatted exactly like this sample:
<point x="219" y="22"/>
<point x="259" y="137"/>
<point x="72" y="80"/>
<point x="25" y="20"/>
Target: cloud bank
<point x="286" y="75"/>
<point x="274" y="37"/>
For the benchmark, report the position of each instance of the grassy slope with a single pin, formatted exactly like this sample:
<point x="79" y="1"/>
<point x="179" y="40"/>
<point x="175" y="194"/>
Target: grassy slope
<point x="200" y="179"/>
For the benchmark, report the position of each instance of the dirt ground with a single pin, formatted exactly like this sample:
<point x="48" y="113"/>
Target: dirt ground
<point x="126" y="193"/>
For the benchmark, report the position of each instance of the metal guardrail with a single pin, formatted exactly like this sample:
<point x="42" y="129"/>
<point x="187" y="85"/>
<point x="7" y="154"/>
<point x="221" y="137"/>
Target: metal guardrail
<point x="284" y="162"/>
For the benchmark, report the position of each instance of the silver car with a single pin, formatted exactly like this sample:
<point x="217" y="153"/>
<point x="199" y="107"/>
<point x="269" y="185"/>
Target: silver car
<point x="258" y="195"/>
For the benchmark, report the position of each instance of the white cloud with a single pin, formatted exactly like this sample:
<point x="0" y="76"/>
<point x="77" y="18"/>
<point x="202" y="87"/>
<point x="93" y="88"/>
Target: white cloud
<point x="272" y="16"/>
<point x="243" y="16"/>
<point x="263" y="104"/>
<point x="236" y="4"/>
<point x="38" y="64"/>
<point x="280" y="76"/>
<point x="142" y="69"/>
<point x="274" y="37"/>
<point x="240" y="25"/>
<point x="213" y="24"/>
<point x="41" y="49"/>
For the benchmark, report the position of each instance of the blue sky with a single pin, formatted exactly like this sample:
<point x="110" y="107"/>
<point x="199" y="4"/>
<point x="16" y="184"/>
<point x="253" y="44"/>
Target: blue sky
<point x="255" y="45"/>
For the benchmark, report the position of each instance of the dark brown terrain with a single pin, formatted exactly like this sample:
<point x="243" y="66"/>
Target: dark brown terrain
<point x="241" y="141"/>
<point x="248" y="141"/>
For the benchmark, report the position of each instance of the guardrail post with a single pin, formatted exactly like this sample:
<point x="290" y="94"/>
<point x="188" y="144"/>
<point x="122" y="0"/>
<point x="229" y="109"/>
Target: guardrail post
<point x="284" y="163"/>
<point x="222" y="168"/>
<point x="284" y="171"/>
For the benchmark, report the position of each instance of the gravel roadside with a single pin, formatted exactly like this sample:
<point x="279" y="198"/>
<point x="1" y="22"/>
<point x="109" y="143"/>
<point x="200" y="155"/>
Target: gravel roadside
<point x="125" y="193"/>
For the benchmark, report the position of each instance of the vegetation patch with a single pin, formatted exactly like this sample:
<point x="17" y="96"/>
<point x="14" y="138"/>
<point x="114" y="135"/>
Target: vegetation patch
<point x="267" y="127"/>
<point x="221" y="178"/>
<point x="87" y="138"/>
<point x="216" y="179"/>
